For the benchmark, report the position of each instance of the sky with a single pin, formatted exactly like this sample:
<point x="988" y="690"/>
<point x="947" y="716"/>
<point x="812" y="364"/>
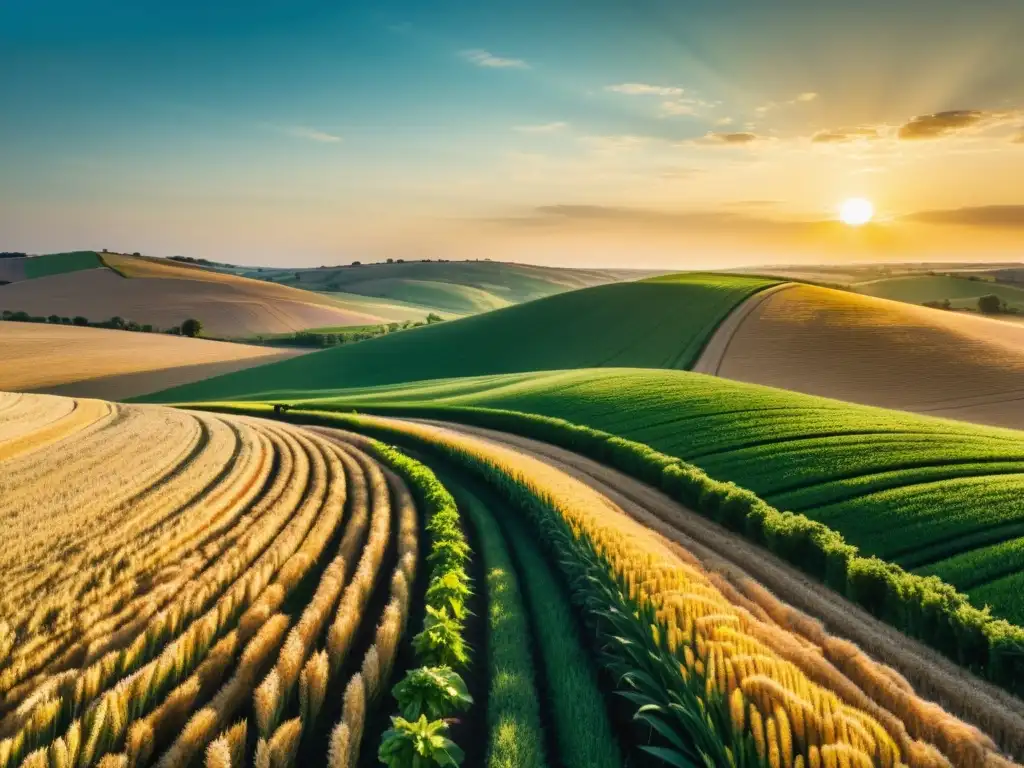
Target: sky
<point x="637" y="133"/>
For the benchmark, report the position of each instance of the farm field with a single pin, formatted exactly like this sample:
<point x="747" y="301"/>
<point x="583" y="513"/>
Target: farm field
<point x="866" y="350"/>
<point x="95" y="362"/>
<point x="856" y="469"/>
<point x="17" y="269"/>
<point x="962" y="292"/>
<point x="658" y="323"/>
<point x="252" y="592"/>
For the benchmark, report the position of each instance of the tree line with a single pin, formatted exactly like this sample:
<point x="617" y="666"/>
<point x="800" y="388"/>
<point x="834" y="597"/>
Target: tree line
<point x="191" y="327"/>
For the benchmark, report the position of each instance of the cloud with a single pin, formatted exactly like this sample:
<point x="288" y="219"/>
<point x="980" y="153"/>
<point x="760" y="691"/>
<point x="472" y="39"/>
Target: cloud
<point x="941" y="124"/>
<point x="995" y="216"/>
<point x="805" y="97"/>
<point x="730" y="139"/>
<point x="685" y="106"/>
<point x="541" y="128"/>
<point x="724" y="121"/>
<point x="643" y="89"/>
<point x="800" y="98"/>
<point x="484" y="58"/>
<point x="845" y="134"/>
<point x="312" y="134"/>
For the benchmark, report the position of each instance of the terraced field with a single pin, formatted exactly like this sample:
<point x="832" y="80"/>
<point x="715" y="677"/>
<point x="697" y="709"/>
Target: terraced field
<point x="657" y="323"/>
<point x="246" y="591"/>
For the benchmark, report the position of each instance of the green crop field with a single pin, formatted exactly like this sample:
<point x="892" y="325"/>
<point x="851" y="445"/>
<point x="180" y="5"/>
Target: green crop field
<point x="936" y="496"/>
<point x="432" y="294"/>
<point x="962" y="292"/>
<point x="59" y="263"/>
<point x="661" y="323"/>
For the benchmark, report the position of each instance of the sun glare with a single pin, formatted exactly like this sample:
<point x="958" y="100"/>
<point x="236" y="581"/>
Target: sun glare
<point x="856" y="211"/>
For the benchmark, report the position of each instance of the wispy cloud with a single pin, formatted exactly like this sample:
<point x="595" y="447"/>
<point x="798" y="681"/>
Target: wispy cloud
<point x="312" y="134"/>
<point x="483" y="58"/>
<point x="541" y="128"/>
<point x="845" y="135"/>
<point x="955" y="122"/>
<point x="1000" y="216"/>
<point x="801" y="98"/>
<point x="730" y="139"/>
<point x="685" y="107"/>
<point x="644" y="89"/>
<point x="614" y="144"/>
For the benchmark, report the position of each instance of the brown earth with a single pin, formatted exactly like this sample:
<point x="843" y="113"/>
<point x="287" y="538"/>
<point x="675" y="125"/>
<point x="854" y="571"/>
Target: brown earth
<point x="94" y="362"/>
<point x="878" y="352"/>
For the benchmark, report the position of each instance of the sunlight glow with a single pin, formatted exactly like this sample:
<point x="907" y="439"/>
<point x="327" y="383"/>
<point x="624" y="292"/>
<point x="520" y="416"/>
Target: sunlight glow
<point x="856" y="211"/>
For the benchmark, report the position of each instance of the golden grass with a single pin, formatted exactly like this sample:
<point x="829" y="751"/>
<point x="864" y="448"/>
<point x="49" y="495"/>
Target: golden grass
<point x="96" y="362"/>
<point x="867" y="350"/>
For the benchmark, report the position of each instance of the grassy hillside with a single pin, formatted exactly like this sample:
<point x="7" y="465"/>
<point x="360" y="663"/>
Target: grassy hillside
<point x="962" y="292"/>
<point x="661" y="323"/>
<point x="936" y="496"/>
<point x="461" y="287"/>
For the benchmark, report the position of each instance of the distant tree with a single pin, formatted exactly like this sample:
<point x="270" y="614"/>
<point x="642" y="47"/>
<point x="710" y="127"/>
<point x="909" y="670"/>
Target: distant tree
<point x="401" y="261"/>
<point x="174" y="330"/>
<point x="298" y="275"/>
<point x="7" y="314"/>
<point x="990" y="304"/>
<point x="391" y="261"/>
<point x="146" y="328"/>
<point x="132" y="326"/>
<point x="136" y="254"/>
<point x="434" y="318"/>
<point x="65" y="321"/>
<point x="12" y="255"/>
<point x="191" y="327"/>
<point x="116" y="322"/>
<point x="79" y="320"/>
<point x="944" y="304"/>
<point x="356" y="263"/>
<point x="55" y="319"/>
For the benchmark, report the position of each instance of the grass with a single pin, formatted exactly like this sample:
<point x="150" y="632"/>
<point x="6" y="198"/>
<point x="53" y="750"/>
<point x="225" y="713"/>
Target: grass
<point x="912" y="489"/>
<point x="662" y="323"/>
<point x="962" y="292"/>
<point x="516" y="739"/>
<point x="59" y="263"/>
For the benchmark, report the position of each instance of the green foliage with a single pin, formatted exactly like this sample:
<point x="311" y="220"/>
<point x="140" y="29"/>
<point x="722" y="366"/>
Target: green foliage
<point x="436" y="692"/>
<point x="191" y="327"/>
<point x="991" y="304"/>
<point x="450" y="591"/>
<point x="656" y="324"/>
<point x="419" y="744"/>
<point x="440" y="643"/>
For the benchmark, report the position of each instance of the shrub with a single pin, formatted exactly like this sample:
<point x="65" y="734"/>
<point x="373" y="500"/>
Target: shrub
<point x="418" y="744"/>
<point x="436" y="692"/>
<point x="79" y="320"/>
<point x="191" y="327"/>
<point x="990" y="304"/>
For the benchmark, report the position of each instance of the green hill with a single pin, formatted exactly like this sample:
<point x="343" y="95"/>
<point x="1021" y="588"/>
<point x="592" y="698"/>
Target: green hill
<point x="660" y="323"/>
<point x="938" y="497"/>
<point x="962" y="292"/>
<point x="456" y="287"/>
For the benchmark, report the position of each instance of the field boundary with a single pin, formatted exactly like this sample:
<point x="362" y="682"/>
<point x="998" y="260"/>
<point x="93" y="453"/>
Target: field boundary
<point x="710" y="358"/>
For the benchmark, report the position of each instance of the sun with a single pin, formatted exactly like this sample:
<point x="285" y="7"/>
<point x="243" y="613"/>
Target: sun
<point x="856" y="211"/>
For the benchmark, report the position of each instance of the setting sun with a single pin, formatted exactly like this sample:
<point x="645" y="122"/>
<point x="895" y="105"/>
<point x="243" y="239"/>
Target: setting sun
<point x="856" y="211"/>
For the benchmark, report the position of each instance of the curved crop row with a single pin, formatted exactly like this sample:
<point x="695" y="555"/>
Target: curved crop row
<point x="720" y="682"/>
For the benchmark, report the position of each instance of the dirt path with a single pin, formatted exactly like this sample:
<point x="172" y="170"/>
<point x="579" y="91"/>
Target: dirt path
<point x="933" y="676"/>
<point x="711" y="358"/>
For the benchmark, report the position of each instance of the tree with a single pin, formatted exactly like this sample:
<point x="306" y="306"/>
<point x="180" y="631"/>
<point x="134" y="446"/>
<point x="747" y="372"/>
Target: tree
<point x="136" y="254"/>
<point x="191" y="327"/>
<point x="79" y="320"/>
<point x="434" y="318"/>
<point x="391" y="261"/>
<point x="53" y="319"/>
<point x="990" y="304"/>
<point x="116" y="322"/>
<point x="356" y="263"/>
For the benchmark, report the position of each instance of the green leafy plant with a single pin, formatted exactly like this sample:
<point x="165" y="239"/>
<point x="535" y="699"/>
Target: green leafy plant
<point x="419" y="744"/>
<point x="436" y="692"/>
<point x="449" y="554"/>
<point x="450" y="591"/>
<point x="440" y="643"/>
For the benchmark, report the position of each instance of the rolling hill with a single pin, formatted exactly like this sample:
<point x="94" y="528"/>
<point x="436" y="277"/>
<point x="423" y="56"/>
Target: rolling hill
<point x="657" y="323"/>
<point x="94" y="362"/>
<point x="933" y="495"/>
<point x="164" y="294"/>
<point x="962" y="292"/>
<point x="878" y="352"/>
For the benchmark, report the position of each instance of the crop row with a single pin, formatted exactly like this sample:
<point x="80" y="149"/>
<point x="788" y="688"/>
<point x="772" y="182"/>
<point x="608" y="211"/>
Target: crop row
<point x="619" y="570"/>
<point x="201" y="602"/>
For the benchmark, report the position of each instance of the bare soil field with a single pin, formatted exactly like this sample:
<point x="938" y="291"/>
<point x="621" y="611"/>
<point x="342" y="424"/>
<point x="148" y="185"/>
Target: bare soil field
<point x="94" y="362"/>
<point x="228" y="306"/>
<point x="867" y="350"/>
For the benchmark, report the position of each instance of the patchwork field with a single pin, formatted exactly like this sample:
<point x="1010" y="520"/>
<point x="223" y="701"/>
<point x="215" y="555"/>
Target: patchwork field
<point x="657" y="323"/>
<point x="94" y="362"/>
<point x="16" y="269"/>
<point x="248" y="592"/>
<point x="866" y="350"/>
<point x="962" y="292"/>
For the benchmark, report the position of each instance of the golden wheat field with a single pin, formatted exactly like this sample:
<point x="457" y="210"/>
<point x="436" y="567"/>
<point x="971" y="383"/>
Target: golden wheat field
<point x="878" y="352"/>
<point x="186" y="588"/>
<point x="96" y="362"/>
<point x="166" y="296"/>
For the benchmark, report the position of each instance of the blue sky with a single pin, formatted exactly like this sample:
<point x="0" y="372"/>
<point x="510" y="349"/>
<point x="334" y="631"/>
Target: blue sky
<point x="313" y="132"/>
